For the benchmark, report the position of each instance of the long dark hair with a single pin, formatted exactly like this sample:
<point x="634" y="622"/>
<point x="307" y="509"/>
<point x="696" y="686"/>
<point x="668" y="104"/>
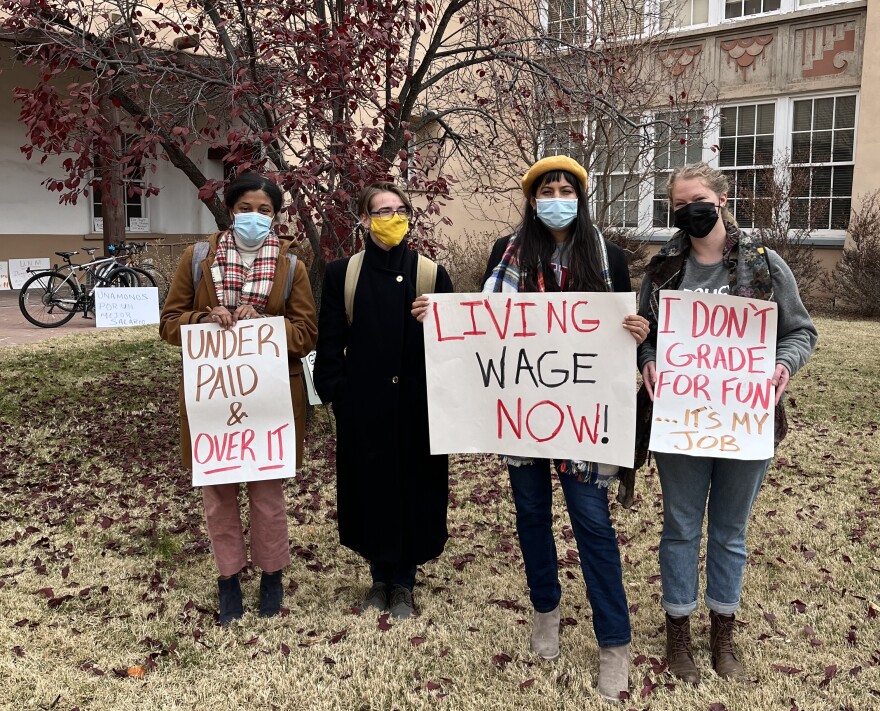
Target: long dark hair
<point x="536" y="244"/>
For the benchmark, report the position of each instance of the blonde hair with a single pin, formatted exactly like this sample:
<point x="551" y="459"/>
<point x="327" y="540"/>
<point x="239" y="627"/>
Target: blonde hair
<point x="368" y="193"/>
<point x="711" y="177"/>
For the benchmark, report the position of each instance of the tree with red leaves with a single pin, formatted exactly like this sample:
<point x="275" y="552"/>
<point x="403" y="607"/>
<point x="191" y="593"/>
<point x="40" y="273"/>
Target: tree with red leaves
<point x="323" y="95"/>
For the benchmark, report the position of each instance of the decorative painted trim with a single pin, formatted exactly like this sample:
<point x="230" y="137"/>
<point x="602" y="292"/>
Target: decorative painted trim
<point x="821" y="48"/>
<point x="745" y="50"/>
<point x="676" y="61"/>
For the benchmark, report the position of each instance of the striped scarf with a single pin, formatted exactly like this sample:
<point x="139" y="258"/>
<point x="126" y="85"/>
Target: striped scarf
<point x="240" y="286"/>
<point x="508" y="277"/>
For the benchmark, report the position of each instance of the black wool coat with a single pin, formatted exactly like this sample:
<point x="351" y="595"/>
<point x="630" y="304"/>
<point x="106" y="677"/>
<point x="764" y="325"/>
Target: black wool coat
<point x="391" y="493"/>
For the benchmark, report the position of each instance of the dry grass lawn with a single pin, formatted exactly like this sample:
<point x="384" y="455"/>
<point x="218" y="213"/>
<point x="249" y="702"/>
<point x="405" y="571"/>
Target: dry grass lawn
<point x="105" y="567"/>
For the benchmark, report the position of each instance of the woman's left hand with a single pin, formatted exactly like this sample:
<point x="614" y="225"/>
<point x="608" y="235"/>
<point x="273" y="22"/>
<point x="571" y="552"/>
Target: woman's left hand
<point x="638" y="326"/>
<point x="420" y="308"/>
<point x="245" y="311"/>
<point x="780" y="379"/>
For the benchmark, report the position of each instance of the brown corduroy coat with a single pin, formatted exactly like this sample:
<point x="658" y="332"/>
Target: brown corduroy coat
<point x="186" y="302"/>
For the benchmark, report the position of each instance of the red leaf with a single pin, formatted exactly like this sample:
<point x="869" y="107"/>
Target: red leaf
<point x="383" y="623"/>
<point x="285" y="650"/>
<point x="799" y="606"/>
<point x="782" y="669"/>
<point x="526" y="684"/>
<point x="19" y="652"/>
<point x="416" y="641"/>
<point x="338" y="636"/>
<point x="717" y="706"/>
<point x="432" y="685"/>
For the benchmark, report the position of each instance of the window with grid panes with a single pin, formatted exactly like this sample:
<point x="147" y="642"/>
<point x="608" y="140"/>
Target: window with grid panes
<point x="684" y="13"/>
<point x="567" y="20"/>
<point x="822" y="158"/>
<point x="615" y="165"/>
<point x="743" y="8"/>
<point x="566" y="139"/>
<point x="677" y="142"/>
<point x="621" y="18"/>
<point x="133" y="183"/>
<point x="746" y="143"/>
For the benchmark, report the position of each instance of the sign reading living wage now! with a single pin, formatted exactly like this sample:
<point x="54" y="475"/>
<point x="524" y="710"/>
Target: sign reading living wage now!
<point x="547" y="375"/>
<point x="713" y="396"/>
<point x="238" y="402"/>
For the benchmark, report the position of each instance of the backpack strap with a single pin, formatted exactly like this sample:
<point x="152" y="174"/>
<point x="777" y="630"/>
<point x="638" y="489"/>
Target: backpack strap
<point x="352" y="274"/>
<point x="426" y="276"/>
<point x="200" y="253"/>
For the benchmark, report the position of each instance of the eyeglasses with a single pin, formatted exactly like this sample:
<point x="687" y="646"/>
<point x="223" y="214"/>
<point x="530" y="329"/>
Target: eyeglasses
<point x="388" y="212"/>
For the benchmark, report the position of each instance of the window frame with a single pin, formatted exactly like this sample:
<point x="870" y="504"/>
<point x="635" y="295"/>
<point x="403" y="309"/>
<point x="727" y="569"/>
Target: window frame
<point x="98" y="222"/>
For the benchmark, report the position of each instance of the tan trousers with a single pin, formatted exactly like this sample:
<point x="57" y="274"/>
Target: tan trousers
<point x="270" y="545"/>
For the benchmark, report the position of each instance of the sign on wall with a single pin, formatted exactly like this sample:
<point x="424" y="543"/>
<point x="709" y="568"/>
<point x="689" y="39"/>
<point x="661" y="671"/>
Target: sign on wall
<point x="237" y="392"/>
<point x="532" y="375"/>
<point x="129" y="306"/>
<point x="18" y="269"/>
<point x="713" y="396"/>
<point x="4" y="276"/>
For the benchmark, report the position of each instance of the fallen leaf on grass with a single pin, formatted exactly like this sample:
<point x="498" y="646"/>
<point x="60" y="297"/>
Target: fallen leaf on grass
<point x="136" y="672"/>
<point x="383" y="624"/>
<point x="416" y="641"/>
<point x="526" y="684"/>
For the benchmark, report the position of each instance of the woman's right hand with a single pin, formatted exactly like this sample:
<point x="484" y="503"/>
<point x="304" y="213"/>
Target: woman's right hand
<point x="649" y="376"/>
<point x="420" y="308"/>
<point x="221" y="315"/>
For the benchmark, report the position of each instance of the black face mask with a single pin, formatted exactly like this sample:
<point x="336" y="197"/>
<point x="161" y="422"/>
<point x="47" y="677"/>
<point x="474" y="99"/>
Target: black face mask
<point x="697" y="218"/>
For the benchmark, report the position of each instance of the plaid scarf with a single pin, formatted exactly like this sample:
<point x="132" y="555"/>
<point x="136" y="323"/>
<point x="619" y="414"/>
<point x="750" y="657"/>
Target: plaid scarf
<point x="508" y="277"/>
<point x="239" y="285"/>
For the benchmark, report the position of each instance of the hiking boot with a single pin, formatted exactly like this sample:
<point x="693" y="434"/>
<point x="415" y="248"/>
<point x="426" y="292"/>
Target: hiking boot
<point x="376" y="599"/>
<point x="271" y="594"/>
<point x="613" y="672"/>
<point x="725" y="661"/>
<point x="231" y="607"/>
<point x="401" y="603"/>
<point x="545" y="634"/>
<point x="679" y="658"/>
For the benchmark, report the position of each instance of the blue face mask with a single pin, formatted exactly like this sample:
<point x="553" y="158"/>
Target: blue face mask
<point x="251" y="227"/>
<point x="557" y="213"/>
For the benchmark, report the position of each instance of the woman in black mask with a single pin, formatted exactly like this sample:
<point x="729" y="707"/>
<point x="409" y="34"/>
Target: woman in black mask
<point x="710" y="254"/>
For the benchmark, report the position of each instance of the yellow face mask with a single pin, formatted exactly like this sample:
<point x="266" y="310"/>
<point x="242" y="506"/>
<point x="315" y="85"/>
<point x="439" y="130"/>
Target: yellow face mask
<point x="389" y="230"/>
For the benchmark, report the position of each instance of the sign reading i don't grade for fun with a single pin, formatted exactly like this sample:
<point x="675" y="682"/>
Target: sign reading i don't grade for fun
<point x="237" y="392"/>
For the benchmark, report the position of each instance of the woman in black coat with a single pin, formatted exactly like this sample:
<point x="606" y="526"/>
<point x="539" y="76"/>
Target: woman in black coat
<point x="392" y="494"/>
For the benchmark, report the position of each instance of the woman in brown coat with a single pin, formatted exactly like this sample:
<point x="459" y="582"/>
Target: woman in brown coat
<point x="246" y="274"/>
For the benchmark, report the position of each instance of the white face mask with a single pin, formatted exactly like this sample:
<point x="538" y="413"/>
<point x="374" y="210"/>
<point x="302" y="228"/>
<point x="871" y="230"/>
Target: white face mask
<point x="557" y="213"/>
<point x="251" y="228"/>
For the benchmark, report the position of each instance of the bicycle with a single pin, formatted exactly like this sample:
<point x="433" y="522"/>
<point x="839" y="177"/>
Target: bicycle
<point x="129" y="254"/>
<point x="51" y="298"/>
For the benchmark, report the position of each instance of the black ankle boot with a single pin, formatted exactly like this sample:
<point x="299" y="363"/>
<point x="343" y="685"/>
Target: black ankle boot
<point x="230" y="600"/>
<point x="271" y="594"/>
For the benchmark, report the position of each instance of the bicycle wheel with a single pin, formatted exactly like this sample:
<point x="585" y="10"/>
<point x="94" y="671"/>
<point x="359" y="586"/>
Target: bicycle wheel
<point x="48" y="300"/>
<point x="160" y="280"/>
<point x="144" y="277"/>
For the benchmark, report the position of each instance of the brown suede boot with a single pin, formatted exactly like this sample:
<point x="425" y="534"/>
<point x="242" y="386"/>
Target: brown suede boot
<point x="679" y="658"/>
<point x="725" y="662"/>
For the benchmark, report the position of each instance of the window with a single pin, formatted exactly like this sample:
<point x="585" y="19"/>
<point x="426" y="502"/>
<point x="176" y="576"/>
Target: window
<point x="677" y="142"/>
<point x="618" y="149"/>
<point x="567" y="20"/>
<point x="746" y="143"/>
<point x="136" y="219"/>
<point x="822" y="155"/>
<point x="684" y="13"/>
<point x="565" y="138"/>
<point x="621" y="18"/>
<point x="743" y="8"/>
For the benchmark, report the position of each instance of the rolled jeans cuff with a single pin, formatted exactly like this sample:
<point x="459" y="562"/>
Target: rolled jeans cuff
<point x="678" y="610"/>
<point x="721" y="608"/>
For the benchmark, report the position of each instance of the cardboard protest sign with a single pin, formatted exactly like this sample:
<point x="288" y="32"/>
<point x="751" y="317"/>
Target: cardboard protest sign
<point x="129" y="306"/>
<point x="532" y="375"/>
<point x="715" y="360"/>
<point x="238" y="401"/>
<point x="18" y="269"/>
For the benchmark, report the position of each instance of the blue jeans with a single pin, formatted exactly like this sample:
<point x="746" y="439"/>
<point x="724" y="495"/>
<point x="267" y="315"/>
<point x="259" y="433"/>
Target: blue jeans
<point x="402" y="574"/>
<point x="730" y="486"/>
<point x="596" y="541"/>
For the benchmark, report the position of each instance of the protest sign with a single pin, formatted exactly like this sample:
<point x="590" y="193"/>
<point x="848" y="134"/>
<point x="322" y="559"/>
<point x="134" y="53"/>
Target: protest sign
<point x="131" y="306"/>
<point x="532" y="375"/>
<point x="238" y="402"/>
<point x="4" y="276"/>
<point x="309" y="376"/>
<point x="18" y="269"/>
<point x="713" y="396"/>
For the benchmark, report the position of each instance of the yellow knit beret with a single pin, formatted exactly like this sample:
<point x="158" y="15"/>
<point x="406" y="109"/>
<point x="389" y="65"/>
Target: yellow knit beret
<point x="545" y="165"/>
